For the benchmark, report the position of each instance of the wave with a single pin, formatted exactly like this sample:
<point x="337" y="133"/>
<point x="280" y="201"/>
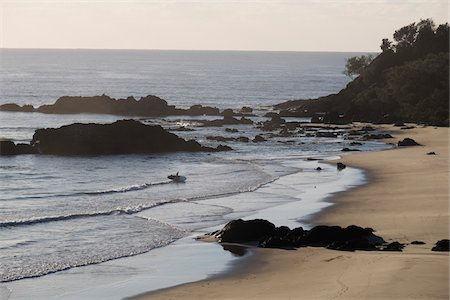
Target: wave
<point x="131" y="188"/>
<point x="117" y="211"/>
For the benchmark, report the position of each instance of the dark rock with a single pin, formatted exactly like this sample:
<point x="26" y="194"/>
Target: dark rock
<point x="334" y="237"/>
<point x="431" y="153"/>
<point x="340" y="166"/>
<point x="326" y="134"/>
<point x="407" y="142"/>
<point x="442" y="245"/>
<point x="318" y="169"/>
<point x="355" y="144"/>
<point x="223" y="148"/>
<point x="246" y="110"/>
<point x="259" y="139"/>
<point x="227" y="120"/>
<point x="9" y="148"/>
<point x="271" y="114"/>
<point x="377" y="136"/>
<point x="120" y="137"/>
<point x="182" y="128"/>
<point x="233" y="130"/>
<point x="273" y="123"/>
<point x="394" y="246"/>
<point x="417" y="243"/>
<point x="227" y="112"/>
<point x="243" y="139"/>
<point x="219" y="138"/>
<point x="146" y="106"/>
<point x="349" y="149"/>
<point x="245" y="231"/>
<point x="25" y="149"/>
<point x="407" y="127"/>
<point x="399" y="124"/>
<point x="199" y="110"/>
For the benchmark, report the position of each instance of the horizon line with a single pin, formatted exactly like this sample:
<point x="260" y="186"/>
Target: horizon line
<point x="205" y="50"/>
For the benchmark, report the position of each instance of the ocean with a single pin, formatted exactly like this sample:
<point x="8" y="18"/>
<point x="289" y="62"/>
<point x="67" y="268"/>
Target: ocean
<point x="61" y="213"/>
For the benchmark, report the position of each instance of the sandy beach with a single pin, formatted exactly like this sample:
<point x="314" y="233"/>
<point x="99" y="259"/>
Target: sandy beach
<point x="406" y="199"/>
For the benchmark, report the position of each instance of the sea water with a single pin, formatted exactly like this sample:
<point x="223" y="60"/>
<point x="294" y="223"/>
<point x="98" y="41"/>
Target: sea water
<point x="57" y="213"/>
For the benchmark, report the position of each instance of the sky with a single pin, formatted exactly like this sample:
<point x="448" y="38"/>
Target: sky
<point x="266" y="25"/>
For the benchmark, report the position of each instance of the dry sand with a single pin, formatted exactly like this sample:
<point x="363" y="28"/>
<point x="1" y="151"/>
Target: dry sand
<point x="407" y="199"/>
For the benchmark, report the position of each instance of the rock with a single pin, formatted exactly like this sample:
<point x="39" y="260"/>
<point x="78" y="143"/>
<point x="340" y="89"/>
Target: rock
<point x="349" y="238"/>
<point x="394" y="246"/>
<point x="227" y="112"/>
<point x="417" y="243"/>
<point x="219" y="138"/>
<point x="355" y="144"/>
<point x="431" y="153"/>
<point x="407" y="127"/>
<point x="246" y="110"/>
<point x="399" y="124"/>
<point x="199" y="110"/>
<point x="227" y="120"/>
<point x="273" y="123"/>
<point x="318" y="169"/>
<point x="243" y="139"/>
<point x="182" y="128"/>
<point x="442" y="245"/>
<point x="120" y="137"/>
<point x="340" y="166"/>
<point x="407" y="142"/>
<point x="259" y="139"/>
<point x="349" y="149"/>
<point x="233" y="130"/>
<point x="223" y="148"/>
<point x="245" y="231"/>
<point x="377" y="136"/>
<point x="8" y="147"/>
<point x="149" y="106"/>
<point x="326" y="134"/>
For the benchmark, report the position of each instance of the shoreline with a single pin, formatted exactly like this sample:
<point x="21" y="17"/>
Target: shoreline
<point x="312" y="273"/>
<point x="128" y="276"/>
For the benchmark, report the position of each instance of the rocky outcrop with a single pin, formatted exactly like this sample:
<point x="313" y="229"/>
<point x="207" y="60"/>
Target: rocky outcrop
<point x="148" y="106"/>
<point x="266" y="235"/>
<point x="120" y="137"/>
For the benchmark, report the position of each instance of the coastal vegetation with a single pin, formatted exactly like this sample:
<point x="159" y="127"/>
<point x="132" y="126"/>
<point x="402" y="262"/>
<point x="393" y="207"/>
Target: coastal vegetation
<point x="407" y="81"/>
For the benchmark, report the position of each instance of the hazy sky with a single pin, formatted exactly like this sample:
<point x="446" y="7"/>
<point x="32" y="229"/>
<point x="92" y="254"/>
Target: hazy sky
<point x="293" y="25"/>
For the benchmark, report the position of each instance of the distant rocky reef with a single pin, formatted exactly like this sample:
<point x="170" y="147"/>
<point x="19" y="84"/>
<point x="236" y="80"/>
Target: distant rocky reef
<point x="149" y="106"/>
<point x="120" y="137"/>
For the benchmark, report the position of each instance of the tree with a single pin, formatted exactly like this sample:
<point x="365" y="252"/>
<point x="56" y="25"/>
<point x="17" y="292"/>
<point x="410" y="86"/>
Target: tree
<point x="386" y="45"/>
<point x="355" y="65"/>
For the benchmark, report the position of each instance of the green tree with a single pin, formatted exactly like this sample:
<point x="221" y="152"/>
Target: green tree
<point x="355" y="65"/>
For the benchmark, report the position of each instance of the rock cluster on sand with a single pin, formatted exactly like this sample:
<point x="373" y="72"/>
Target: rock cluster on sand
<point x="120" y="137"/>
<point x="442" y="245"/>
<point x="267" y="235"/>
